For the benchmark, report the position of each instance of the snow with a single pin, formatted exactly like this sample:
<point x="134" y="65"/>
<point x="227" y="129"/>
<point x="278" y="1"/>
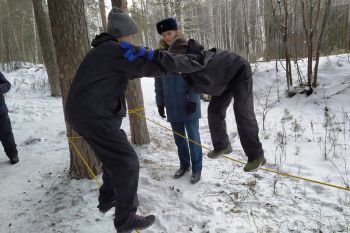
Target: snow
<point x="38" y="196"/>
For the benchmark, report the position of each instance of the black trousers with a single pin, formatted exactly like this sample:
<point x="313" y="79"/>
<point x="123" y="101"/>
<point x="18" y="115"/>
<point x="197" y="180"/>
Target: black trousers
<point x="6" y="136"/>
<point x="241" y="90"/>
<point x="120" y="166"/>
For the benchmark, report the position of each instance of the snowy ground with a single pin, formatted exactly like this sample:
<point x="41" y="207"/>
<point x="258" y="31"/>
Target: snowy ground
<point x="37" y="195"/>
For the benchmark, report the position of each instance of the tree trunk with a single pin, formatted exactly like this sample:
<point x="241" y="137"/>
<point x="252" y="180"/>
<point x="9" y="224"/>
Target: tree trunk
<point x="70" y="35"/>
<point x="47" y="45"/>
<point x="103" y="14"/>
<point x="308" y="36"/>
<point x="319" y="42"/>
<point x="134" y="98"/>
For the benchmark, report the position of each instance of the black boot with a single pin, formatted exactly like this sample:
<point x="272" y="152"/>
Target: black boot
<point x="14" y="159"/>
<point x="180" y="172"/>
<point x="136" y="223"/>
<point x="195" y="177"/>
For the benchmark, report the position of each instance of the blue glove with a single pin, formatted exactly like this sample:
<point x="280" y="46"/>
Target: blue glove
<point x="133" y="52"/>
<point x="125" y="45"/>
<point x="137" y="52"/>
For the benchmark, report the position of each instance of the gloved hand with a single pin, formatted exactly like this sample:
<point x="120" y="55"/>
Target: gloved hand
<point x="161" y="111"/>
<point x="132" y="52"/>
<point x="191" y="107"/>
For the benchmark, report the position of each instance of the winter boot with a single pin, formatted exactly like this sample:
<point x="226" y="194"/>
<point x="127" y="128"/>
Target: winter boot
<point x="213" y="154"/>
<point x="254" y="164"/>
<point x="180" y="172"/>
<point x="136" y="223"/>
<point x="14" y="159"/>
<point x="195" y="177"/>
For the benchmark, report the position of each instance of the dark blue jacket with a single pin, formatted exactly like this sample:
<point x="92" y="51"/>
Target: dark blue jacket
<point x="4" y="87"/>
<point x="174" y="93"/>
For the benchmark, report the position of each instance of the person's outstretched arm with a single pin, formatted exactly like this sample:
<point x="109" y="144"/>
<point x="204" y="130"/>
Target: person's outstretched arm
<point x="176" y="63"/>
<point x="5" y="85"/>
<point x="136" y="69"/>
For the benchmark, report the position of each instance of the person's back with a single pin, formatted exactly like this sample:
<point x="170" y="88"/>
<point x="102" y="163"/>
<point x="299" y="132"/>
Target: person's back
<point x="221" y="64"/>
<point x="98" y="90"/>
<point x="6" y="135"/>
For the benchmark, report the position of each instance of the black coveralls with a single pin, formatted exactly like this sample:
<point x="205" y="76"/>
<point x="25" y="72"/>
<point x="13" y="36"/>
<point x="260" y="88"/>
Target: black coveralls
<point x="95" y="108"/>
<point x="6" y="135"/>
<point x="226" y="75"/>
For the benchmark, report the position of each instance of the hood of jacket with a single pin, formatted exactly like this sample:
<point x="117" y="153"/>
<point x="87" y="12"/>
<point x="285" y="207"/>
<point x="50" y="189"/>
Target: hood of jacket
<point x="100" y="39"/>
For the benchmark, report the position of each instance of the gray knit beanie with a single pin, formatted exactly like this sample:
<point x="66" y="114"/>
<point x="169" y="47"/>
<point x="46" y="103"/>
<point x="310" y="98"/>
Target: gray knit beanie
<point x="120" y="23"/>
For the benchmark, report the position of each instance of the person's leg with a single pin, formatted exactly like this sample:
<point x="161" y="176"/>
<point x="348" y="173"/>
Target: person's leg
<point x="107" y="197"/>
<point x="7" y="138"/>
<point x="242" y="89"/>
<point x="182" y="144"/>
<point x="192" y="128"/>
<point x="121" y="165"/>
<point x="217" y="124"/>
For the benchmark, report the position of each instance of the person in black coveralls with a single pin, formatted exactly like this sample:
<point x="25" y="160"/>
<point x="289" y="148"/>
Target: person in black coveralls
<point x="6" y="135"/>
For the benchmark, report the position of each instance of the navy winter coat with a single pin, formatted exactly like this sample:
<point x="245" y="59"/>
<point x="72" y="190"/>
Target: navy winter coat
<point x="4" y="87"/>
<point x="173" y="92"/>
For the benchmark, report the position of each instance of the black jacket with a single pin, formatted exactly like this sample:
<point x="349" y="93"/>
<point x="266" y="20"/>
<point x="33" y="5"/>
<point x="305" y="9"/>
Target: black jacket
<point x="4" y="87"/>
<point x="222" y="69"/>
<point x="96" y="100"/>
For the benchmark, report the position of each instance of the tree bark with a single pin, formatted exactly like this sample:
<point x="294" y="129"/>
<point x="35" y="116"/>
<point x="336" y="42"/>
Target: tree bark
<point x="70" y="35"/>
<point x="134" y="98"/>
<point x="319" y="42"/>
<point x="282" y="26"/>
<point x="103" y="14"/>
<point x="47" y="45"/>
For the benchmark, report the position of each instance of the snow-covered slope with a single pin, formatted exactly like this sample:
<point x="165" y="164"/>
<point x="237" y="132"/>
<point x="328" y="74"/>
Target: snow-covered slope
<point x="37" y="196"/>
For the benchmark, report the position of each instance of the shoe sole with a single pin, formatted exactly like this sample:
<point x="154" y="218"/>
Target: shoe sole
<point x="260" y="165"/>
<point x="138" y="229"/>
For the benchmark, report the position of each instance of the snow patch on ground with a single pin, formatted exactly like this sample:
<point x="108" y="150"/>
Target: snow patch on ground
<point x="37" y="195"/>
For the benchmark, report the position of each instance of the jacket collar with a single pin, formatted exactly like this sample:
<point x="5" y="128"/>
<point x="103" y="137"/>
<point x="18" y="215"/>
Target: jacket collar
<point x="100" y="39"/>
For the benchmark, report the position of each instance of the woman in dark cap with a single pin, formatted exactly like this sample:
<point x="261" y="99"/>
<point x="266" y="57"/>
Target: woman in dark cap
<point x="182" y="106"/>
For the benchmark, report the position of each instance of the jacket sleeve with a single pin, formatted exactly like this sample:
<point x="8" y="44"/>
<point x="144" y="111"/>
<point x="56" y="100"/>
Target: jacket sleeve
<point x="5" y="85"/>
<point x="178" y="63"/>
<point x="158" y="88"/>
<point x="140" y="67"/>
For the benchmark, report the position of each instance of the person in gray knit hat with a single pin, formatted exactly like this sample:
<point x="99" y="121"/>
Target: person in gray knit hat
<point x="95" y="109"/>
<point x="120" y="24"/>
